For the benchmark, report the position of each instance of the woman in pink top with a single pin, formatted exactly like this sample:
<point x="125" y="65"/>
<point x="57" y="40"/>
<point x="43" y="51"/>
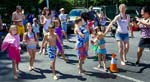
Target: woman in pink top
<point x="11" y="43"/>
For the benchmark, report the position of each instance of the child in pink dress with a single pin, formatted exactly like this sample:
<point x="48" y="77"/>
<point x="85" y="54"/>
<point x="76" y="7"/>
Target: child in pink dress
<point x="11" y="43"/>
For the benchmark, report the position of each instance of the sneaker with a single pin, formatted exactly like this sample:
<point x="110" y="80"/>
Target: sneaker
<point x="123" y="63"/>
<point x="40" y="52"/>
<point x="15" y="77"/>
<point x="137" y="63"/>
<point x="55" y="77"/>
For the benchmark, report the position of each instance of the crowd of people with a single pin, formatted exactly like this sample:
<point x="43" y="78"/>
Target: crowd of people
<point x="54" y="28"/>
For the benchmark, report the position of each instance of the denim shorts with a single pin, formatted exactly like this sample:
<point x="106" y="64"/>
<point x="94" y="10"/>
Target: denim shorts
<point x="64" y="26"/>
<point x="31" y="46"/>
<point x="101" y="51"/>
<point x="121" y="36"/>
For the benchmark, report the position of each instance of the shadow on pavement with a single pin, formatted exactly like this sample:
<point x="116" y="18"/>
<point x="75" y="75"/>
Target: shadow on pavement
<point x="5" y="71"/>
<point x="95" y="58"/>
<point x="70" y="55"/>
<point x="144" y="66"/>
<point x="73" y="62"/>
<point x="68" y="47"/>
<point x="24" y="75"/>
<point x="101" y="75"/>
<point x="69" y="76"/>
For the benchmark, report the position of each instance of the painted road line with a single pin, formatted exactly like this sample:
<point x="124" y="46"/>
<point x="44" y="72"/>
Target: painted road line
<point x="147" y="50"/>
<point x="119" y="75"/>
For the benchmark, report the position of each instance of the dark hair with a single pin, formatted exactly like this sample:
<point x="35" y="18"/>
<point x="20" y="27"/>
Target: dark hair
<point x="44" y="10"/>
<point x="78" y="19"/>
<point x="134" y="20"/>
<point x="85" y="16"/>
<point x="146" y="9"/>
<point x="57" y="21"/>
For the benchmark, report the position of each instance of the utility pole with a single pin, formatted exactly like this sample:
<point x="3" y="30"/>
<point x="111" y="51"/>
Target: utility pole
<point x="47" y="3"/>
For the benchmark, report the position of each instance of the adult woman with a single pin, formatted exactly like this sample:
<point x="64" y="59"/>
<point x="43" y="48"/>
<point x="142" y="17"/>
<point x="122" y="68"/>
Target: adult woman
<point x="144" y="25"/>
<point x="45" y="20"/>
<point x="122" y="35"/>
<point x="63" y="19"/>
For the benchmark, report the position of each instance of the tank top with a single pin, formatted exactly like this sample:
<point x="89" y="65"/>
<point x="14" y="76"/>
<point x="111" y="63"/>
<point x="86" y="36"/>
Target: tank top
<point x="145" y="31"/>
<point x="101" y="41"/>
<point x="48" y="22"/>
<point x="123" y="24"/>
<point x="31" y="36"/>
<point x="103" y="21"/>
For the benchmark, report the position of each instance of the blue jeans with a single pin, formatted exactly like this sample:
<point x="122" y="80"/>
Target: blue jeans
<point x="64" y="26"/>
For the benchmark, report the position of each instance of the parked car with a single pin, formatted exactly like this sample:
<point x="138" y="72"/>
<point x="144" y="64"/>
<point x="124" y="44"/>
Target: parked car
<point x="72" y="16"/>
<point x="97" y="9"/>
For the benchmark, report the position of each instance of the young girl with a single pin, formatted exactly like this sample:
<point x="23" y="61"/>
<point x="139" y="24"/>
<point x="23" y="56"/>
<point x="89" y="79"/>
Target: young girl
<point x="103" y="21"/>
<point x="59" y="32"/>
<point x="80" y="44"/>
<point x="50" y="39"/>
<point x="133" y="27"/>
<point x="30" y="39"/>
<point x="36" y="28"/>
<point x="101" y="51"/>
<point x="11" y="43"/>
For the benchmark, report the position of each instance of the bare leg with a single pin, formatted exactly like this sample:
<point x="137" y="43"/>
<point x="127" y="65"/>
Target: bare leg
<point x="30" y="59"/>
<point x="53" y="69"/>
<point x="126" y="49"/>
<point x="139" y="54"/>
<point x="104" y="62"/>
<point x="99" y="60"/>
<point x="33" y="57"/>
<point x="14" y="69"/>
<point x="63" y="55"/>
<point x="120" y="46"/>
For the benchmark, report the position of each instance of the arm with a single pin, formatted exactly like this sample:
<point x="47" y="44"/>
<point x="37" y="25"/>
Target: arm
<point x="78" y="32"/>
<point x="44" y="41"/>
<point x="42" y="21"/>
<point x="111" y="23"/>
<point x="143" y="22"/>
<point x="59" y="40"/>
<point x="24" y="38"/>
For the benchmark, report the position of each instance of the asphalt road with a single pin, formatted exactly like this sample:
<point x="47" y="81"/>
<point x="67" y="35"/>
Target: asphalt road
<point x="67" y="72"/>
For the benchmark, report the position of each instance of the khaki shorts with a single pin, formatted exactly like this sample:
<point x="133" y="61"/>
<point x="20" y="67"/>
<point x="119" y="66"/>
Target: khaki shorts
<point x="20" y="29"/>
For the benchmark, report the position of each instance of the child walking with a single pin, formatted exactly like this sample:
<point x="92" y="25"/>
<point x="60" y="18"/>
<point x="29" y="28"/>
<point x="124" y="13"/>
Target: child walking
<point x="30" y="39"/>
<point x="59" y="31"/>
<point x="80" y="45"/>
<point x="11" y="43"/>
<point x="50" y="39"/>
<point x="101" y="50"/>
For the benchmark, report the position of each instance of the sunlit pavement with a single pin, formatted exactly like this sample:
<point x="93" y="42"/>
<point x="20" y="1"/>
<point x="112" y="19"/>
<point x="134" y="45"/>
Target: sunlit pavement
<point x="67" y="72"/>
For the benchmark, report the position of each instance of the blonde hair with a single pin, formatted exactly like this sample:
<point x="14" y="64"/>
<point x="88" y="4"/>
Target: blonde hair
<point x="100" y="34"/>
<point x="12" y="27"/>
<point x="120" y="6"/>
<point x="77" y="20"/>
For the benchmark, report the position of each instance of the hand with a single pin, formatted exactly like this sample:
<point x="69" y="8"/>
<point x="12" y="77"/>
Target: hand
<point x="138" y="19"/>
<point x="104" y="34"/>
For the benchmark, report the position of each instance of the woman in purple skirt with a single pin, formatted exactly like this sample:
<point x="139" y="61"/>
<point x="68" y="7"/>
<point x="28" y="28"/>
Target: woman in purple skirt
<point x="59" y="32"/>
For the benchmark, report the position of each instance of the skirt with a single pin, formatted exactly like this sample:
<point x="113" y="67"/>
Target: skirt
<point x="144" y="43"/>
<point x="14" y="53"/>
